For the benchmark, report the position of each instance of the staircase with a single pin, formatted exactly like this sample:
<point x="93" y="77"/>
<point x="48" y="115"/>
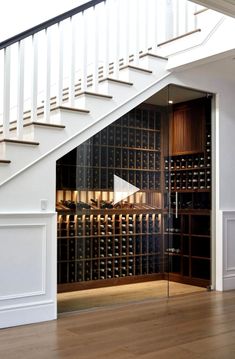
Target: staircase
<point x="61" y="94"/>
<point x="90" y="112"/>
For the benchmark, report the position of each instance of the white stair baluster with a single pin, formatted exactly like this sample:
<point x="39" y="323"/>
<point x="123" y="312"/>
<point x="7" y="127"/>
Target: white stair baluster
<point x="186" y="17"/>
<point x="73" y="60"/>
<point x="137" y="25"/>
<point x="146" y="35"/>
<point x="96" y="46"/>
<point x="178" y="18"/>
<point x="84" y="52"/>
<point x="107" y="38"/>
<point x="117" y="39"/>
<point x="20" y="90"/>
<point x="170" y="29"/>
<point x="6" y="91"/>
<point x="155" y="27"/>
<point x="195" y="17"/>
<point x="34" y="85"/>
<point x="127" y="39"/>
<point x="60" y="65"/>
<point x="48" y="76"/>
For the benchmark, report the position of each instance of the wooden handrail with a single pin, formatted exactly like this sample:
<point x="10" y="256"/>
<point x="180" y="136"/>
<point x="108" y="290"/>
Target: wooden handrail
<point x="46" y="24"/>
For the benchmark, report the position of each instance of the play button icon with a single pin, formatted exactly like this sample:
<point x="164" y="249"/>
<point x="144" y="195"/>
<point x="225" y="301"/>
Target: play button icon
<point x="122" y="189"/>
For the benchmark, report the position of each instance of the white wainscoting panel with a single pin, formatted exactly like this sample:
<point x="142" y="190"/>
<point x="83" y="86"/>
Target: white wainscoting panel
<point x="229" y="249"/>
<point x="22" y="260"/>
<point x="27" y="268"/>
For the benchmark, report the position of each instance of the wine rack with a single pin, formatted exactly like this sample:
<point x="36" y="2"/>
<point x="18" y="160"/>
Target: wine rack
<point x="106" y="246"/>
<point x="187" y="173"/>
<point x="187" y="240"/>
<point x="130" y="149"/>
<point x="101" y="243"/>
<point x="188" y="247"/>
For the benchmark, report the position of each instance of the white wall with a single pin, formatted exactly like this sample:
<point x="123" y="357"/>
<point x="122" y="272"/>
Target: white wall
<point x="29" y="13"/>
<point x="214" y="77"/>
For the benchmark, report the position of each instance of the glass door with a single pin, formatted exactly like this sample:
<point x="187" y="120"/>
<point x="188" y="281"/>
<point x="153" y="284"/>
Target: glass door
<point x="110" y="217"/>
<point x="187" y="239"/>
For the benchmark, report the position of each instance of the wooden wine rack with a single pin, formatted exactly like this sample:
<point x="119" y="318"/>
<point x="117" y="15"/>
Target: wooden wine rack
<point x="101" y="245"/>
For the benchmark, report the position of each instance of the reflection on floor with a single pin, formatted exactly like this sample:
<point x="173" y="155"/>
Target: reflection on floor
<point x="122" y="294"/>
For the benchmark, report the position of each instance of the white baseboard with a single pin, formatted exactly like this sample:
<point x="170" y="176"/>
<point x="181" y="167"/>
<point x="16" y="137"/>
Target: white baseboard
<point x="42" y="312"/>
<point x="229" y="282"/>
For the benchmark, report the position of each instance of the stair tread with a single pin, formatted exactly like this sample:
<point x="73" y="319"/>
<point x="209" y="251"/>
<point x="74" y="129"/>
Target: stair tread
<point x="23" y="142"/>
<point x="179" y="37"/>
<point x="35" y="123"/>
<point x="136" y="68"/>
<point x="5" y="161"/>
<point x="96" y="94"/>
<point x="153" y="55"/>
<point x="116" y="80"/>
<point x="70" y="109"/>
<point x="50" y="125"/>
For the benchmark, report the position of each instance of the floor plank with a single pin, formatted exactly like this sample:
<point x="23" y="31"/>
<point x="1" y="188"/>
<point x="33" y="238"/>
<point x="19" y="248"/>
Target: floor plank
<point x="122" y="294"/>
<point x="197" y="326"/>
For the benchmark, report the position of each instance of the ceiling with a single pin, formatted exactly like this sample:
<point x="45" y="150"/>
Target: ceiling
<point x="225" y="6"/>
<point x="176" y="94"/>
<point x="222" y="70"/>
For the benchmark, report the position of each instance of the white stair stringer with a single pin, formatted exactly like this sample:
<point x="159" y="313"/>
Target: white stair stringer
<point x="121" y="97"/>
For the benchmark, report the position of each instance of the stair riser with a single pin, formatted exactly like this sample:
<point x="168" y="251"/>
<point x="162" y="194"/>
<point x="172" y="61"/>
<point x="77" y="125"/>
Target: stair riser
<point x="20" y="155"/>
<point x="96" y="105"/>
<point x="156" y="65"/>
<point x="43" y="134"/>
<point x="138" y="78"/>
<point x="119" y="91"/>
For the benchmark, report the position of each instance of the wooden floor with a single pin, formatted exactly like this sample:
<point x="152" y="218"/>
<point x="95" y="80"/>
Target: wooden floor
<point x="121" y="294"/>
<point x="200" y="325"/>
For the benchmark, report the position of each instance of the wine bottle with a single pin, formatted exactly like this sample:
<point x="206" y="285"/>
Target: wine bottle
<point x="71" y="225"/>
<point x="183" y="162"/>
<point x="177" y="163"/>
<point x="201" y="162"/>
<point x="196" y="162"/>
<point x="190" y="162"/>
<point x="166" y="165"/>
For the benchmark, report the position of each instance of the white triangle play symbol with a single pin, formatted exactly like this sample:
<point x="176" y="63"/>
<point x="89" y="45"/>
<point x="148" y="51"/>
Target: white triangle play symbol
<point x="122" y="189"/>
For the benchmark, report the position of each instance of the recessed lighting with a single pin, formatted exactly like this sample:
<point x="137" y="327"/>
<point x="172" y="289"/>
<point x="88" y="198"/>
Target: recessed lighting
<point x="170" y="102"/>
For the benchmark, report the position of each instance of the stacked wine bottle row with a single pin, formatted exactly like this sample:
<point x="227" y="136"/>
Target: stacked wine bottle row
<point x="115" y="157"/>
<point x="129" y="149"/>
<point x="102" y="178"/>
<point x="188" y="173"/>
<point x="92" y="247"/>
